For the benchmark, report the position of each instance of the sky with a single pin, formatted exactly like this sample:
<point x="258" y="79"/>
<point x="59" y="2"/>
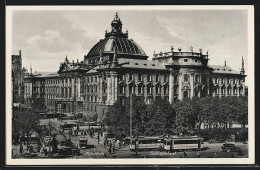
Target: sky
<point x="47" y="37"/>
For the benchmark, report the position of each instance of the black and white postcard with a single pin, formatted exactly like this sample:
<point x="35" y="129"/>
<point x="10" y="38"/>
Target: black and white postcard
<point x="129" y="85"/>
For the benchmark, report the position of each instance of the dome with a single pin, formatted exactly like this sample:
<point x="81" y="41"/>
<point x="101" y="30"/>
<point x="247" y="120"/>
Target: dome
<point x="123" y="46"/>
<point x="117" y="40"/>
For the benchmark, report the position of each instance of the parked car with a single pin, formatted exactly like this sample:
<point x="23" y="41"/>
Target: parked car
<point x="230" y="147"/>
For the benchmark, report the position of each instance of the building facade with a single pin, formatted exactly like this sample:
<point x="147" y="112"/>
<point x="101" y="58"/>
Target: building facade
<point x="117" y="66"/>
<point x="18" y="73"/>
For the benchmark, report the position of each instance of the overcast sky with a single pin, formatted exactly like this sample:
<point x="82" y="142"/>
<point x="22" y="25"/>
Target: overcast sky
<point x="46" y="37"/>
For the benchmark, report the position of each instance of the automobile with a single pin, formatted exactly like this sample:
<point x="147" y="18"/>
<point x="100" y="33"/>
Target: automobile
<point x="230" y="147"/>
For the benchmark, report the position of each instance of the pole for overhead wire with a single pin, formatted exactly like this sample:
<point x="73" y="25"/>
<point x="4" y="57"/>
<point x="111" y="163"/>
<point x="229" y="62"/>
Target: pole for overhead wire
<point x="131" y="115"/>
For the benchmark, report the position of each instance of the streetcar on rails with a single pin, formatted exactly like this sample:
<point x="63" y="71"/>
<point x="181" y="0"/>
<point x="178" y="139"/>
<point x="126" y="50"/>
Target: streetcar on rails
<point x="146" y="143"/>
<point x="183" y="143"/>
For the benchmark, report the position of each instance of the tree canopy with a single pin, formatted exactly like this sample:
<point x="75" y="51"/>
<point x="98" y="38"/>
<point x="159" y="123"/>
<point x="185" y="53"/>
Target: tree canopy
<point x="182" y="117"/>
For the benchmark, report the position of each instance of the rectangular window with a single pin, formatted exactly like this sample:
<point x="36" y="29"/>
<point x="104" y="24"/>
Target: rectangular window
<point x="165" y="78"/>
<point x="223" y="90"/>
<point x="165" y="89"/>
<point x="157" y="78"/>
<point x="140" y="77"/>
<point x="235" y="91"/>
<point x="149" y="77"/>
<point x="140" y="89"/>
<point x="131" y="77"/>
<point x="157" y="89"/>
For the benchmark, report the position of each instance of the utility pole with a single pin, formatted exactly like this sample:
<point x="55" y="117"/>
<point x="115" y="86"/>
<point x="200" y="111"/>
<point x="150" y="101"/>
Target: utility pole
<point x="49" y="138"/>
<point x="131" y="115"/>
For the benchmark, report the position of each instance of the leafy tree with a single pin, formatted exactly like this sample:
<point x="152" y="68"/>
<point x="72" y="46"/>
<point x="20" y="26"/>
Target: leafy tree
<point x="160" y="119"/>
<point x="25" y="121"/>
<point x="118" y="117"/>
<point x="187" y="112"/>
<point x="242" y="113"/>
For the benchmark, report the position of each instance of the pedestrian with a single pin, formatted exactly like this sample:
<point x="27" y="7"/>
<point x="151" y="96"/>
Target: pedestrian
<point x="119" y="144"/>
<point x="105" y="142"/>
<point x="198" y="155"/>
<point x="45" y="151"/>
<point x="114" y="146"/>
<point x="110" y="147"/>
<point x="233" y="155"/>
<point x="21" y="148"/>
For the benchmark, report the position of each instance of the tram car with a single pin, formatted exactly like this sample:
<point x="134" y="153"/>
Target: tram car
<point x="183" y="143"/>
<point x="146" y="143"/>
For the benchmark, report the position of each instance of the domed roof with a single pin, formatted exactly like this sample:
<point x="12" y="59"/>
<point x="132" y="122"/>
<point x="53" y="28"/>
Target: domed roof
<point x="123" y="46"/>
<point x="116" y="40"/>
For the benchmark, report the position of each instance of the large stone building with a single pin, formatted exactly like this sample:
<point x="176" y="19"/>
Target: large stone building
<point x="18" y="73"/>
<point x="117" y="66"/>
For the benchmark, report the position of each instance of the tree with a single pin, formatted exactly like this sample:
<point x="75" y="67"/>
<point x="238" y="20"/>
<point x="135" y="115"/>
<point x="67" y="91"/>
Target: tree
<point x="25" y="121"/>
<point x="118" y="117"/>
<point x="160" y="119"/>
<point x="242" y="113"/>
<point x="187" y="112"/>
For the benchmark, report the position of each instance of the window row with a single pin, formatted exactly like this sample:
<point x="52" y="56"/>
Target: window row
<point x="227" y="80"/>
<point x="228" y="90"/>
<point x="91" y="108"/>
<point x="149" y="89"/>
<point x="140" y="77"/>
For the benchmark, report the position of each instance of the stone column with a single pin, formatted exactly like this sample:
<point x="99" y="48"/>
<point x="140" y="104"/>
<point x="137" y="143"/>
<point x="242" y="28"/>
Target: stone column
<point x="100" y="89"/>
<point x="108" y="89"/>
<point x="171" y="88"/>
<point x="208" y="88"/>
<point x="115" y="88"/>
<point x="112" y="89"/>
<point x="180" y="87"/>
<point x="191" y="85"/>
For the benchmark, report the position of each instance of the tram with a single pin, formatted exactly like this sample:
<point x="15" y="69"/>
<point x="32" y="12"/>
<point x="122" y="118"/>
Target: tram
<point x="146" y="143"/>
<point x="183" y="143"/>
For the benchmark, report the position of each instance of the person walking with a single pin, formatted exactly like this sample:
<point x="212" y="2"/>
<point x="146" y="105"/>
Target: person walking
<point x="110" y="147"/>
<point x="21" y="148"/>
<point x="114" y="145"/>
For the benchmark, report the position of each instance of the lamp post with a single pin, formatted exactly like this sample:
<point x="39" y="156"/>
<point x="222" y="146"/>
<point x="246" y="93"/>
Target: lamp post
<point x="131" y="115"/>
<point x="49" y="138"/>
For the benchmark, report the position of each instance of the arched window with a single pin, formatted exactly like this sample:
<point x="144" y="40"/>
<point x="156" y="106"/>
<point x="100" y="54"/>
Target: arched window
<point x="185" y="94"/>
<point x="197" y="78"/>
<point x="186" y="78"/>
